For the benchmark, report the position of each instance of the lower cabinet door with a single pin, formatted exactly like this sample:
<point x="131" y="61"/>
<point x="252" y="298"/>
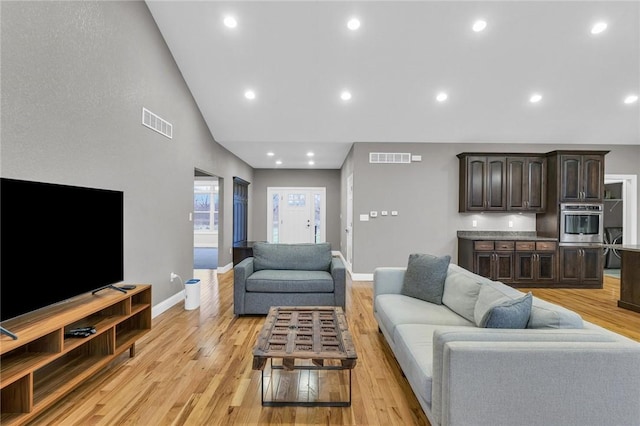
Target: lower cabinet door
<point x="483" y="264"/>
<point x="546" y="267"/>
<point x="504" y="266"/>
<point x="581" y="265"/>
<point x="592" y="268"/>
<point x="525" y="266"/>
<point x="570" y="264"/>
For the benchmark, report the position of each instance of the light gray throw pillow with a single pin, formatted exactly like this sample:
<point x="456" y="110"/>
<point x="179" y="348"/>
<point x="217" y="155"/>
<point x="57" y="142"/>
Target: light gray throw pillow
<point x="513" y="313"/>
<point x="425" y="276"/>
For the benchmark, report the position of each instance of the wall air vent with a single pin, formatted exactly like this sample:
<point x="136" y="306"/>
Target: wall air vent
<point x="390" y="157"/>
<point x="156" y="123"/>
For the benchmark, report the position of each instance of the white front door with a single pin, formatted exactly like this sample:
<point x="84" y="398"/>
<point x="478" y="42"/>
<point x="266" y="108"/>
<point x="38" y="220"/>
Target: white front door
<point x="296" y="215"/>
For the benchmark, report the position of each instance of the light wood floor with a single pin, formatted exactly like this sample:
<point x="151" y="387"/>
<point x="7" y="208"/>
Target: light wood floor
<point x="194" y="367"/>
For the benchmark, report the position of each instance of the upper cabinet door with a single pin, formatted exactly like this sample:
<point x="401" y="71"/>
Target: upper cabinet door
<point x="536" y="183"/>
<point x="526" y="183"/>
<point x="570" y="178"/>
<point x="496" y="183"/>
<point x="581" y="178"/>
<point x="483" y="183"/>
<point x="592" y="178"/>
<point x="476" y="183"/>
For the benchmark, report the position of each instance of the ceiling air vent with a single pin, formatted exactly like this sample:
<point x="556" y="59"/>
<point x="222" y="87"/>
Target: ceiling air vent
<point x="156" y="123"/>
<point x="390" y="157"/>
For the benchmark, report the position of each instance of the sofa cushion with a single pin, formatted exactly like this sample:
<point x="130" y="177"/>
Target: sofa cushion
<point x="395" y="309"/>
<point x="279" y="281"/>
<point x="491" y="294"/>
<point x="414" y="352"/>
<point x="513" y="313"/>
<point x="301" y="257"/>
<point x="424" y="277"/>
<point x="548" y="315"/>
<point x="461" y="292"/>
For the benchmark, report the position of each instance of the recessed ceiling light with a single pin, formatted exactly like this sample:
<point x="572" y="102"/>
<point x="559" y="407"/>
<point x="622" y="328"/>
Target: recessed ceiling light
<point x="250" y="94"/>
<point x="311" y="163"/>
<point x="278" y="162"/>
<point x="353" y="24"/>
<point x="310" y="154"/>
<point x="631" y="99"/>
<point x="345" y="95"/>
<point x="442" y="96"/>
<point x="270" y="154"/>
<point x="598" y="27"/>
<point x="479" y="25"/>
<point x="230" y="22"/>
<point x="536" y="97"/>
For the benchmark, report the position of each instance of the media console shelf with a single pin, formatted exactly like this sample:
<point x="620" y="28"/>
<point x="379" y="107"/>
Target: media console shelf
<point x="42" y="366"/>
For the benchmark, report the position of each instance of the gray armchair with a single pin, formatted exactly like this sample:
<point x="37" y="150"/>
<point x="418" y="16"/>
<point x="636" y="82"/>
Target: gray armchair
<point x="288" y="275"/>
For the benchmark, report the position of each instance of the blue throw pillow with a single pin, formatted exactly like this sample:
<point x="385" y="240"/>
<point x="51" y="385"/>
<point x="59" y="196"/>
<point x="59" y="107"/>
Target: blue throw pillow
<point x="425" y="276"/>
<point x="513" y="313"/>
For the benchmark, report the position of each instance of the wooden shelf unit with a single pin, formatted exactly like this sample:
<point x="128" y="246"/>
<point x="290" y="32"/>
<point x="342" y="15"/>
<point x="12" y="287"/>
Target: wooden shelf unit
<point x="42" y="366"/>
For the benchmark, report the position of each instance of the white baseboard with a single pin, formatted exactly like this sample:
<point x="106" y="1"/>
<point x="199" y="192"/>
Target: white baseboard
<point x="167" y="304"/>
<point x="362" y="277"/>
<point x="354" y="277"/>
<point x="225" y="268"/>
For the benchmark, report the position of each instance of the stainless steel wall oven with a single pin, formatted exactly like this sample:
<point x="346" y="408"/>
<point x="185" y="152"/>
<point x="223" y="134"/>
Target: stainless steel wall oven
<point x="581" y="223"/>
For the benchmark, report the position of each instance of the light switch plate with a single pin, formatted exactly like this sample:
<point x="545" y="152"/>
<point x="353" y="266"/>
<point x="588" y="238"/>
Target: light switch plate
<point x="373" y="213"/>
<point x="384" y="213"/>
<point x="394" y="213"/>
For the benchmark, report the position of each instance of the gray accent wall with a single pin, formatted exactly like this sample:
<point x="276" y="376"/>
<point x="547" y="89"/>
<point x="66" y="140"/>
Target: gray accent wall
<point x="265" y="178"/>
<point x="425" y="194"/>
<point x="75" y="76"/>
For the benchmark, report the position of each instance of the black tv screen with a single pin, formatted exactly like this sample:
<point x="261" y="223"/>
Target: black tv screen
<point x="56" y="242"/>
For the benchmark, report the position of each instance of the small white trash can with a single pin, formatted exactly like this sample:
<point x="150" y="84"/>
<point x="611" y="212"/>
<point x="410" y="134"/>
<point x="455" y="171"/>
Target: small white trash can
<point x="192" y="294"/>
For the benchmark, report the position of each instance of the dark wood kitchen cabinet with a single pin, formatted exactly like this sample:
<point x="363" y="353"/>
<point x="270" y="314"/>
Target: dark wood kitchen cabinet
<point x="494" y="259"/>
<point x="526" y="183"/>
<point x="581" y="265"/>
<point x="519" y="263"/>
<point x="581" y="177"/>
<point x="483" y="183"/>
<point x="535" y="263"/>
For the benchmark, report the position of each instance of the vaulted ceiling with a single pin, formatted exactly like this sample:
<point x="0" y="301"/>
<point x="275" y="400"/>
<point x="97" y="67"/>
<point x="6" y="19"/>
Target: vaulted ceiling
<point x="298" y="57"/>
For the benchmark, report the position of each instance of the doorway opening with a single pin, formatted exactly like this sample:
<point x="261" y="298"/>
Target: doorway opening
<point x="620" y="217"/>
<point x="206" y="224"/>
<point x="296" y="215"/>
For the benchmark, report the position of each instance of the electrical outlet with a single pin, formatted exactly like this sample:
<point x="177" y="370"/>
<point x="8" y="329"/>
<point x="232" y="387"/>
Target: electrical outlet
<point x="474" y="223"/>
<point x="510" y="224"/>
<point x="173" y="276"/>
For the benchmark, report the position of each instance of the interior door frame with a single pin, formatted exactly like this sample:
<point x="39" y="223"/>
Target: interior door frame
<point x="271" y="190"/>
<point x="349" y="223"/>
<point x="629" y="205"/>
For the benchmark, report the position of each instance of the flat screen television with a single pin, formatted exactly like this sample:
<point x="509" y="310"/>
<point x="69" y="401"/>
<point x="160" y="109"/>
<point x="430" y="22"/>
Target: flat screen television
<point x="56" y="242"/>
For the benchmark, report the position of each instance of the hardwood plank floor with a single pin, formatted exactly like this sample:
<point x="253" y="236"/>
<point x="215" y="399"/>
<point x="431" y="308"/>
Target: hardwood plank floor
<point x="195" y="368"/>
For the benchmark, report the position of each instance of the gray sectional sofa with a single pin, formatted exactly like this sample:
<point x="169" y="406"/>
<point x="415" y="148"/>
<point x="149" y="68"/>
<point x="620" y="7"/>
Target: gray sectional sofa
<point x="288" y="275"/>
<point x="560" y="370"/>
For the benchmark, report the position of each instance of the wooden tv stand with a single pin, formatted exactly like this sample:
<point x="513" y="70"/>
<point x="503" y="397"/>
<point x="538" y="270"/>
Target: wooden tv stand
<point x="42" y="366"/>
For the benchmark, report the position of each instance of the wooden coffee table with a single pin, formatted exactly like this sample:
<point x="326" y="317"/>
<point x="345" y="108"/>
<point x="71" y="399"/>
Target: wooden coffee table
<point x="316" y="333"/>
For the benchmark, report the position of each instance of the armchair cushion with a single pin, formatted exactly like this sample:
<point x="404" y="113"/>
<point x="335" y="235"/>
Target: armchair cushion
<point x="301" y="257"/>
<point x="284" y="281"/>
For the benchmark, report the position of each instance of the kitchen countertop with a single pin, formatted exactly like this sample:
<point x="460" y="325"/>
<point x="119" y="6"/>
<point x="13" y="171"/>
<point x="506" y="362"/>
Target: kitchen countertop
<point x="624" y="247"/>
<point x="503" y="236"/>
